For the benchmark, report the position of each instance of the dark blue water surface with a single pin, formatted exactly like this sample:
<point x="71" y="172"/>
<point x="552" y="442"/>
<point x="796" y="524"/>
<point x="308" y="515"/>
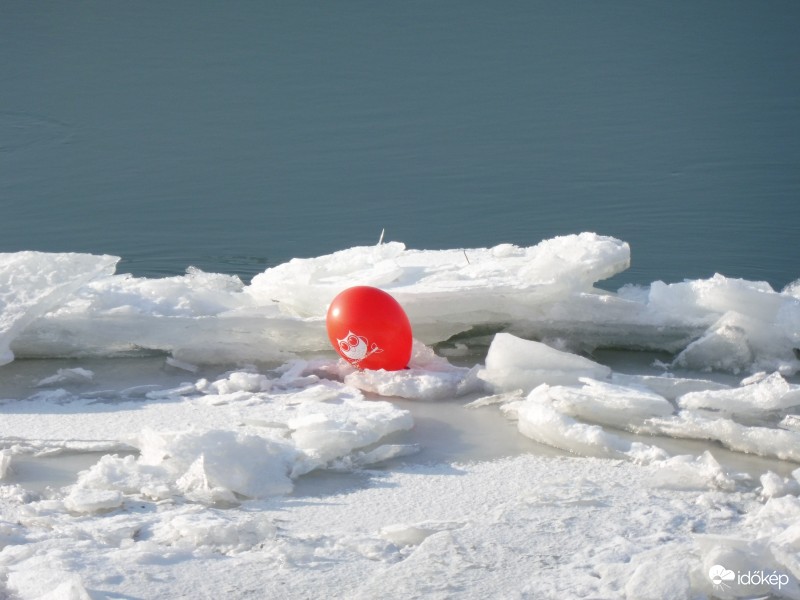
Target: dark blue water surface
<point x="237" y="135"/>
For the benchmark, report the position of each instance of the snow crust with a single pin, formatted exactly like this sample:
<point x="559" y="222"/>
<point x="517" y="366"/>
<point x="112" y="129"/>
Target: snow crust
<point x="528" y="527"/>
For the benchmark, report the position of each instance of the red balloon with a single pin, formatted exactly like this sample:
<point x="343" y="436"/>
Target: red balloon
<point x="369" y="329"/>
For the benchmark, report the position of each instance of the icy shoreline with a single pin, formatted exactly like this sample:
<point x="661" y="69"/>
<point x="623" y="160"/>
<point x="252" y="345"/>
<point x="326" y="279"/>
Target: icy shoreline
<point x="250" y="462"/>
<point x="74" y="305"/>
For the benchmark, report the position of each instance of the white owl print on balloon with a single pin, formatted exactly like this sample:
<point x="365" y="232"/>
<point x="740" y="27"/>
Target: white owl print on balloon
<point x="378" y="332"/>
<point x="356" y="348"/>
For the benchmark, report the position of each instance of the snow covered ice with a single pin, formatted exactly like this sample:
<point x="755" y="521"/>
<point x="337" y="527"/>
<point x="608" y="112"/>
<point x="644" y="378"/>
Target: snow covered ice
<point x="224" y="451"/>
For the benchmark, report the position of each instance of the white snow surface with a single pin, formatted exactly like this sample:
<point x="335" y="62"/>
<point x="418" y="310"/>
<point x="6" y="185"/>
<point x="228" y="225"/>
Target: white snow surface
<point x="269" y="468"/>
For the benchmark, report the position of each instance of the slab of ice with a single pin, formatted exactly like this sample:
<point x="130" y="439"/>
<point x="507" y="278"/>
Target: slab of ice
<point x="447" y="292"/>
<point x="539" y="420"/>
<point x="218" y="464"/>
<point x="420" y="280"/>
<point x="772" y="393"/>
<point x="669" y="387"/>
<point x="67" y="376"/>
<point x="198" y="317"/>
<point x="32" y="283"/>
<point x="701" y="299"/>
<point x="775" y="486"/>
<point x="513" y="363"/>
<point x="690" y="473"/>
<point x="497" y="399"/>
<point x="330" y="430"/>
<point x="750" y="325"/>
<point x="763" y="441"/>
<point x="81" y="500"/>
<point x="5" y="462"/>
<point x="791" y="422"/>
<point x="607" y="404"/>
